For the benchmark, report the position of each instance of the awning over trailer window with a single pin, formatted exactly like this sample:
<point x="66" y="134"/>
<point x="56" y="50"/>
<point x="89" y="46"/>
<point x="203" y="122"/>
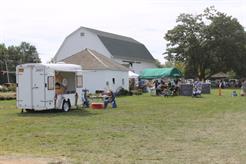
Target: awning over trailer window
<point x="64" y="67"/>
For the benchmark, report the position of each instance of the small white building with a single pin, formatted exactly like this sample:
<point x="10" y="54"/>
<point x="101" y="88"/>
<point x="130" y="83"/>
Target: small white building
<point x="99" y="71"/>
<point x="122" y="49"/>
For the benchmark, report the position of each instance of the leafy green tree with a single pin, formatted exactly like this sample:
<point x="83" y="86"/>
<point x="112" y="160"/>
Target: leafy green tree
<point x="226" y="42"/>
<point x="28" y="53"/>
<point x="158" y="63"/>
<point x="206" y="43"/>
<point x="15" y="55"/>
<point x="24" y="53"/>
<point x="169" y="64"/>
<point x="180" y="66"/>
<point x="3" y="53"/>
<point x="3" y="63"/>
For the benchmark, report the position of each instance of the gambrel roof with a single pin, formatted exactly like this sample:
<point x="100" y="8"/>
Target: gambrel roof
<point x="123" y="47"/>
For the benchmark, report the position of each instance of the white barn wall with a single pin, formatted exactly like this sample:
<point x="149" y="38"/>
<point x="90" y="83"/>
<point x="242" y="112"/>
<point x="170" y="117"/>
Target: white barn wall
<point x="118" y="75"/>
<point x="137" y="67"/>
<point x="97" y="79"/>
<point x="143" y="65"/>
<point x="75" y="43"/>
<point x="94" y="80"/>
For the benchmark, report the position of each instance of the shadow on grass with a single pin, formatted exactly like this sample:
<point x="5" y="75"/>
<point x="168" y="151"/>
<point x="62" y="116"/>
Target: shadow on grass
<point x="56" y="113"/>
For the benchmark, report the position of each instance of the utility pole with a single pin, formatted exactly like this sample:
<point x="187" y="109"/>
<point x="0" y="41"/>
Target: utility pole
<point x="7" y="70"/>
<point x="6" y="65"/>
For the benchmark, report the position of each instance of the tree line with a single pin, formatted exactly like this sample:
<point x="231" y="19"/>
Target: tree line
<point x="207" y="43"/>
<point x="12" y="56"/>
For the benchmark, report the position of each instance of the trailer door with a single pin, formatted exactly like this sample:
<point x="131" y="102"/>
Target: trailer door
<point x="50" y="88"/>
<point x="38" y="87"/>
<point x="79" y="86"/>
<point x="24" y="89"/>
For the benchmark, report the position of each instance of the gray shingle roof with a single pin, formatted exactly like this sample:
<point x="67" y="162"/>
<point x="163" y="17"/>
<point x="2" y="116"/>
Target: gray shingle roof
<point x="220" y="75"/>
<point x="123" y="47"/>
<point x="92" y="60"/>
<point x="110" y="35"/>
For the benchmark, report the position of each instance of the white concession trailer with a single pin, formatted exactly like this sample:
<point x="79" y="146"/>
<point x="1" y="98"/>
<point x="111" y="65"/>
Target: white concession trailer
<point x="48" y="86"/>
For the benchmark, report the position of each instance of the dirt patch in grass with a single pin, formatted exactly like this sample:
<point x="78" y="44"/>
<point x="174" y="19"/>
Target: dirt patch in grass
<point x="29" y="160"/>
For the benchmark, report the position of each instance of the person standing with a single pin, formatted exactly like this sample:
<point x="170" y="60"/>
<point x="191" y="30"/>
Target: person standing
<point x="243" y="89"/>
<point x="220" y="87"/>
<point x="156" y="87"/>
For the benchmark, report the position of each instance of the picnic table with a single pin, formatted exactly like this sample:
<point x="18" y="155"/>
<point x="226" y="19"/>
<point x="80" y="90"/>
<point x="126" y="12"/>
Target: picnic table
<point x="96" y="98"/>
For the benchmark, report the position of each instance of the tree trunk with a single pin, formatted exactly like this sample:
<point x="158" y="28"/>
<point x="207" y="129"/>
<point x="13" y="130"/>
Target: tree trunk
<point x="202" y="73"/>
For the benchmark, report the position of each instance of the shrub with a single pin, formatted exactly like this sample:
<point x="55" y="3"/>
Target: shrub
<point x="7" y="97"/>
<point x="4" y="89"/>
<point x="122" y="92"/>
<point x="137" y="92"/>
<point x="12" y="88"/>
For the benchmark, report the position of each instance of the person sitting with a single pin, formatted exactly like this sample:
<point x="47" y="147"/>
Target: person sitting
<point x="196" y="92"/>
<point x="197" y="89"/>
<point x="243" y="89"/>
<point x="110" y="98"/>
<point x="59" y="80"/>
<point x="234" y="93"/>
<point x="58" y="88"/>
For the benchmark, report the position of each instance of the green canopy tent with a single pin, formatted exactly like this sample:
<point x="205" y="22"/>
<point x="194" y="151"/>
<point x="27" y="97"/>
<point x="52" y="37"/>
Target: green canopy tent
<point x="156" y="73"/>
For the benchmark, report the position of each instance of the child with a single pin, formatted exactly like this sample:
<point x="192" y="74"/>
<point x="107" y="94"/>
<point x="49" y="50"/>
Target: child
<point x="234" y="93"/>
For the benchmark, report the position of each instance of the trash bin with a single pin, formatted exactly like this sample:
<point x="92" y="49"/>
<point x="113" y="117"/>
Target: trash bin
<point x="186" y="90"/>
<point x="206" y="88"/>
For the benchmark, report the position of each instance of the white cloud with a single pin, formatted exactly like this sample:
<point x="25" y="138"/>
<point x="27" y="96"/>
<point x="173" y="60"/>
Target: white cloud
<point x="46" y="23"/>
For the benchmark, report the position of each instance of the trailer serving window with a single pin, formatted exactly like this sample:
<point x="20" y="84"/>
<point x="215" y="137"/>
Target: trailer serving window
<point x="51" y="82"/>
<point x="79" y="81"/>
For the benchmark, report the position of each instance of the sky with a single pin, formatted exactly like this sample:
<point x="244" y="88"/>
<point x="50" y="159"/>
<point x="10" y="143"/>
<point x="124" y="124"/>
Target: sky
<point x="46" y="23"/>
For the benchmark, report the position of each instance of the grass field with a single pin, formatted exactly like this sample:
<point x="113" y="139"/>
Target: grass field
<point x="143" y="129"/>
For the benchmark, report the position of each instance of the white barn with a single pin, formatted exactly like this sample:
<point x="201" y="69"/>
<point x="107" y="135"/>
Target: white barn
<point x="123" y="50"/>
<point x="99" y="71"/>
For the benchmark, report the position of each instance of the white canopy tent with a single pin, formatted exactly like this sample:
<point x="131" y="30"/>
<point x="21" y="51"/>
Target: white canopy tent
<point x="133" y="80"/>
<point x="132" y="74"/>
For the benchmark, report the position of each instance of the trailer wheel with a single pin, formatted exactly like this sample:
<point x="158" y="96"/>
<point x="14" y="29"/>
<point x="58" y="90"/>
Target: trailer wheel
<point x="65" y="106"/>
<point x="29" y="110"/>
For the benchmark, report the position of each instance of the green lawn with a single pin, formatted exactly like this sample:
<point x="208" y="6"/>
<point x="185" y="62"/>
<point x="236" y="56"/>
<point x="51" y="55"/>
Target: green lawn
<point x="143" y="129"/>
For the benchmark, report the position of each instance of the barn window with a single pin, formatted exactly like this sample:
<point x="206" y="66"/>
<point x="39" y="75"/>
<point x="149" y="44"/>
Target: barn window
<point x="113" y="80"/>
<point x="82" y="34"/>
<point x="123" y="81"/>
